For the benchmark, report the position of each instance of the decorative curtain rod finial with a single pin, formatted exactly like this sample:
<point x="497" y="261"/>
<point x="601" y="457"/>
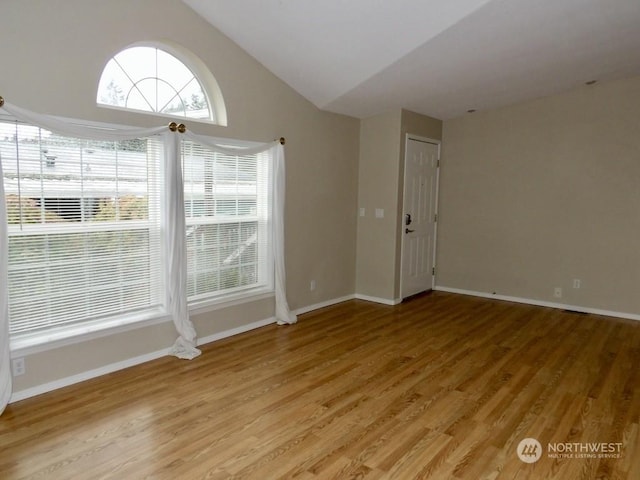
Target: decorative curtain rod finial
<point x="282" y="141"/>
<point x="173" y="126"/>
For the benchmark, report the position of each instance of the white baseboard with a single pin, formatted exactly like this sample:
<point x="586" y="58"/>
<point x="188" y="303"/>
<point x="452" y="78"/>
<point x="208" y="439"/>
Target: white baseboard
<point x="358" y="296"/>
<point x="89" y="374"/>
<point x="235" y="331"/>
<point x="113" y="367"/>
<point x="384" y="301"/>
<point x="130" y="362"/>
<point x="541" y="303"/>
<point x="327" y="303"/>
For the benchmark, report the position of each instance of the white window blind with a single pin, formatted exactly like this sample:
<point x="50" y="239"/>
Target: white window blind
<point x="83" y="225"/>
<point x="228" y="211"/>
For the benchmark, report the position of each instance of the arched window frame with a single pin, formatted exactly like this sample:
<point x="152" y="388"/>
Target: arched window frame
<point x="210" y="87"/>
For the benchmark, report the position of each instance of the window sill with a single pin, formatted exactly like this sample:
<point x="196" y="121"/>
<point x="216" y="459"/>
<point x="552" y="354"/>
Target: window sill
<point x="29" y="344"/>
<point x="239" y="298"/>
<point x="175" y="118"/>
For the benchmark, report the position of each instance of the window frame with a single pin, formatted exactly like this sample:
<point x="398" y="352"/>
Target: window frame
<point x="266" y="288"/>
<point x="200" y="71"/>
<point x="28" y="343"/>
<point x="66" y="333"/>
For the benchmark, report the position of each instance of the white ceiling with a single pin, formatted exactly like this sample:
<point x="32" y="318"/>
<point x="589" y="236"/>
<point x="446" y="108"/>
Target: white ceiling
<point x="435" y="57"/>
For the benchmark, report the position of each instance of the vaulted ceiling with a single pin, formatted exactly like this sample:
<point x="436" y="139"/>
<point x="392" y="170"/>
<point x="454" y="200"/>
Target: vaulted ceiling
<point x="439" y="58"/>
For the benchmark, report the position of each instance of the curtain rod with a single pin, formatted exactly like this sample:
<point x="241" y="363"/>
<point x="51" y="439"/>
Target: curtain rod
<point x="173" y="126"/>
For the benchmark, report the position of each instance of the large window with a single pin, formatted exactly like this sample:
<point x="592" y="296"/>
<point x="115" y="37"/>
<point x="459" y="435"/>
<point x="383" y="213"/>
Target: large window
<point x="85" y="230"/>
<point x="83" y="226"/>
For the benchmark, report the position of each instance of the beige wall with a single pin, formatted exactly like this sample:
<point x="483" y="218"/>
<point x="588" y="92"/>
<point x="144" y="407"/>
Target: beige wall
<point x="538" y="194"/>
<point x="380" y="179"/>
<point x="52" y="57"/>
<point x="378" y="189"/>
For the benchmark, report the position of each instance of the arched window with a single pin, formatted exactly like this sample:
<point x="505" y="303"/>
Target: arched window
<point x="150" y="79"/>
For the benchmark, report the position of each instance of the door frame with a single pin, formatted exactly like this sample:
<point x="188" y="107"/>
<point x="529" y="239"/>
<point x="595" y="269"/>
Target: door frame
<point x="438" y="143"/>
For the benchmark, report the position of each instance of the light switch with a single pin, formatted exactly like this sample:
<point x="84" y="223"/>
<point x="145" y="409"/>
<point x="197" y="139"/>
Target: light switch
<point x="379" y="213"/>
<point x="362" y="211"/>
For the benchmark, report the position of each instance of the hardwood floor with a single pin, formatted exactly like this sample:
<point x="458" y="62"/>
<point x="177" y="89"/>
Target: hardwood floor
<point x="442" y="387"/>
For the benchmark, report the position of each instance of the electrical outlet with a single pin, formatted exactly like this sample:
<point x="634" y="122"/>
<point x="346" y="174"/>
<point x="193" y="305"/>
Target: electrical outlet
<point x="312" y="285"/>
<point x="557" y="292"/>
<point x="18" y="367"/>
<point x="576" y="283"/>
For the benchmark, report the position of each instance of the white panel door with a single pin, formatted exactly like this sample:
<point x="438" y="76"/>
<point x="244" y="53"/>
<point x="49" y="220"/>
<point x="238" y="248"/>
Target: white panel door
<point x="419" y="216"/>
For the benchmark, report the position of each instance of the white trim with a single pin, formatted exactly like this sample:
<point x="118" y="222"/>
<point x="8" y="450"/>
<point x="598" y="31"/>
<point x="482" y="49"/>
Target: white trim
<point x="384" y="301"/>
<point x="541" y="303"/>
<point x="230" y="300"/>
<point x="328" y="303"/>
<point x="26" y="345"/>
<point x="435" y="227"/>
<point x="200" y="71"/>
<point x="89" y="374"/>
<point x="235" y="331"/>
<point x="412" y="136"/>
<point x="203" y="74"/>
<point x="130" y="362"/>
<point x="37" y="343"/>
<point x="110" y="368"/>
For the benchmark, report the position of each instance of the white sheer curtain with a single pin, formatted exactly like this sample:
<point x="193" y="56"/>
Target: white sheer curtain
<point x="173" y="227"/>
<point x="283" y="313"/>
<point x="185" y="345"/>
<point x="174" y="234"/>
<point x="276" y="152"/>
<point x="5" y="354"/>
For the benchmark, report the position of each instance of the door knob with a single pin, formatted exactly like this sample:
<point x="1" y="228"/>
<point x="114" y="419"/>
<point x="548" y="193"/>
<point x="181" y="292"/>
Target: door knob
<point x="407" y="230"/>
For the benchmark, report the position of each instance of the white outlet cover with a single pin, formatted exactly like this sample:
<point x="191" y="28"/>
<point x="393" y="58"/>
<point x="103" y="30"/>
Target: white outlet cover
<point x="379" y="212"/>
<point x="18" y="366"/>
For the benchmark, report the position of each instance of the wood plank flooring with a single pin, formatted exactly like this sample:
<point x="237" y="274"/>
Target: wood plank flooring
<point x="443" y="387"/>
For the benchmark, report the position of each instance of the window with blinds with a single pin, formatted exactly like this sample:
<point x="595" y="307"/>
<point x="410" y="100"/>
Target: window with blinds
<point x="228" y="211"/>
<point x="83" y="228"/>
